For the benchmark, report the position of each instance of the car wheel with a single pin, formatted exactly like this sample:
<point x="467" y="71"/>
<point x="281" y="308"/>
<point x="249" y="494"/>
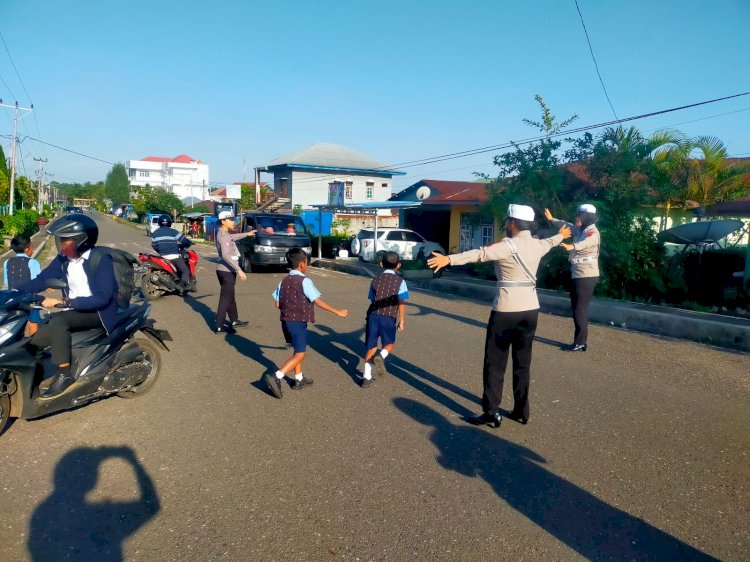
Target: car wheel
<point x="356" y="246"/>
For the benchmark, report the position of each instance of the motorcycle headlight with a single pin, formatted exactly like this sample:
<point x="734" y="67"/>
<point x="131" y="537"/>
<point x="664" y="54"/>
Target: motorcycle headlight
<point x="11" y="329"/>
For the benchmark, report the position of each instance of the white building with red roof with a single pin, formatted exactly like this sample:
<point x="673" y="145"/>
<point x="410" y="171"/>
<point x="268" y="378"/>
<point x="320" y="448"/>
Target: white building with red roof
<point x="183" y="175"/>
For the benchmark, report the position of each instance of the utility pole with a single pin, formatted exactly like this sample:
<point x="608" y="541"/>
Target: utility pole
<point x="40" y="173"/>
<point x="14" y="149"/>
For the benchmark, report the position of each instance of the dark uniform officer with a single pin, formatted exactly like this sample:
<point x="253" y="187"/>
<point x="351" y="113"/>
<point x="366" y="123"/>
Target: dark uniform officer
<point x="169" y="244"/>
<point x="513" y="319"/>
<point x="584" y="268"/>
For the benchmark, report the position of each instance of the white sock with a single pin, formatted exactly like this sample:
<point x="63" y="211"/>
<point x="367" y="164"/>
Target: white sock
<point x="298" y="376"/>
<point x="279" y="375"/>
<point x="368" y="371"/>
<point x="384" y="353"/>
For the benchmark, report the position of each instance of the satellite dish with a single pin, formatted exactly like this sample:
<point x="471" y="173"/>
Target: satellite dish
<point x="423" y="193"/>
<point x="700" y="232"/>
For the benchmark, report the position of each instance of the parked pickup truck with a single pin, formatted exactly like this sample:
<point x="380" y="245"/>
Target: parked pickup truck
<point x="277" y="233"/>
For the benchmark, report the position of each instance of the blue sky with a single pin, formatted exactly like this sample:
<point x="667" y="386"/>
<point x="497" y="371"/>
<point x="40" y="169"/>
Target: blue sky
<point x="398" y="80"/>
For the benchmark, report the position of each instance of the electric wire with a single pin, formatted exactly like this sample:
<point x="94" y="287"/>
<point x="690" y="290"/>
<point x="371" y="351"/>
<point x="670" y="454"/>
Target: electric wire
<point x="596" y="65"/>
<point x="511" y="144"/>
<point x="471" y="152"/>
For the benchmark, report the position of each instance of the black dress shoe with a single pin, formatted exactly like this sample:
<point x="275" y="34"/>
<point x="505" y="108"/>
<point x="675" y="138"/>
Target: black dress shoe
<point x="239" y="323"/>
<point x="58" y="385"/>
<point x="515" y="416"/>
<point x="493" y="420"/>
<point x="577" y="347"/>
<point x="225" y="330"/>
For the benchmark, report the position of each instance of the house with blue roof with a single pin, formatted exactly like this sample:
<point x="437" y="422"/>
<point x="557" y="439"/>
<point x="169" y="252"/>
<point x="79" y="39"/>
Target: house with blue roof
<point x="327" y="173"/>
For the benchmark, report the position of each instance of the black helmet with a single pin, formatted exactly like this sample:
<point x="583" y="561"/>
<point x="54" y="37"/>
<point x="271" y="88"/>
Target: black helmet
<point x="81" y="228"/>
<point x="165" y="220"/>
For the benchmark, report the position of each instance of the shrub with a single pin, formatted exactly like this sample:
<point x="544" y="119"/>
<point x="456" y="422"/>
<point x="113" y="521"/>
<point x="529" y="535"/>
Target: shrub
<point x="24" y="222"/>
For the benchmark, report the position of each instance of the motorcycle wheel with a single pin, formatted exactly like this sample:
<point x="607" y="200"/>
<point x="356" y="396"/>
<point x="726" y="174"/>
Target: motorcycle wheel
<point x="152" y="356"/>
<point x="150" y="289"/>
<point x="4" y="412"/>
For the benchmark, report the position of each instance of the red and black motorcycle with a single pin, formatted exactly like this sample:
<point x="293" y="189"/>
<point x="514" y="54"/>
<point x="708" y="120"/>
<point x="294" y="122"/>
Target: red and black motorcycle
<point x="162" y="277"/>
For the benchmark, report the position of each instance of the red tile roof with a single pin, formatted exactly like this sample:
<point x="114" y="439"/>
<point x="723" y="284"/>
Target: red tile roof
<point x="181" y="159"/>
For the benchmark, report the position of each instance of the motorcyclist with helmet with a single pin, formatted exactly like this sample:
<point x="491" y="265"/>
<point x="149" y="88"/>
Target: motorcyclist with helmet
<point x="89" y="299"/>
<point x="169" y="243"/>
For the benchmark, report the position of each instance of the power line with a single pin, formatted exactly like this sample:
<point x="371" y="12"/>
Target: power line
<point x="7" y="87"/>
<point x="510" y="144"/>
<point x="596" y="65"/>
<point x="14" y="67"/>
<point x="71" y="151"/>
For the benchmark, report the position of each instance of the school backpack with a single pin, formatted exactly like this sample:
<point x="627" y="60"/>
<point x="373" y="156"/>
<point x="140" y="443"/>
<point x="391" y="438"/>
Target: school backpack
<point x="123" y="263"/>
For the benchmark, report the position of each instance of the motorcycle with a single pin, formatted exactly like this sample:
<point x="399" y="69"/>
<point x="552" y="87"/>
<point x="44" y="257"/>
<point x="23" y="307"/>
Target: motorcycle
<point x="125" y="362"/>
<point x="162" y="277"/>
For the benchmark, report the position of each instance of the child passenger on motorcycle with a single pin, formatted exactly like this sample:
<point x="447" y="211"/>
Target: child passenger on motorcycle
<point x="89" y="298"/>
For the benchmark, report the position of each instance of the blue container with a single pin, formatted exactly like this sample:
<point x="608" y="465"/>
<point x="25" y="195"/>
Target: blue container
<point x="317" y="223"/>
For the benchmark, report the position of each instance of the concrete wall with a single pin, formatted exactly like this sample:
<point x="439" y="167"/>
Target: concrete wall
<point x="309" y="187"/>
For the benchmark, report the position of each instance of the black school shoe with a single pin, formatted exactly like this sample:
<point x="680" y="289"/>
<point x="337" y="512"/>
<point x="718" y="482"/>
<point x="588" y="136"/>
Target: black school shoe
<point x="577" y="347"/>
<point x="239" y="323"/>
<point x="225" y="330"/>
<point x="273" y="384"/>
<point x="304" y="383"/>
<point x="379" y="363"/>
<point x="486" y="419"/>
<point x="366" y="382"/>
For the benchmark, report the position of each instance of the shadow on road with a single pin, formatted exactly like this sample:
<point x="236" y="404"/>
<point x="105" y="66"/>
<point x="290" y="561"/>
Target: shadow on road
<point x="414" y="376"/>
<point x="553" y="343"/>
<point x="423" y="310"/>
<point x="339" y="347"/>
<point x="591" y="527"/>
<point x="243" y="345"/>
<point x="66" y="526"/>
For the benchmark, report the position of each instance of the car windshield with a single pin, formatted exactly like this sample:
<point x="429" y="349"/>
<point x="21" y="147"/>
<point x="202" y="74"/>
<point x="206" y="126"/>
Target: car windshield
<point x="289" y="225"/>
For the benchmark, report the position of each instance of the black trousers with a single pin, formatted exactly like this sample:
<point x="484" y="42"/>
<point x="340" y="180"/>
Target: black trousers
<point x="580" y="297"/>
<point x="56" y="332"/>
<point x="227" y="301"/>
<point x="508" y="331"/>
<point x="182" y="267"/>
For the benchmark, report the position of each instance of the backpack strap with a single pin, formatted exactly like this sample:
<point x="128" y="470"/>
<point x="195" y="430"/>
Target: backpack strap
<point x="95" y="258"/>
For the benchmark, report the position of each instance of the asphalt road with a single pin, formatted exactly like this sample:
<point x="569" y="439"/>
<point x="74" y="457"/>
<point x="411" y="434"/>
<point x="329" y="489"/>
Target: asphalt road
<point x="636" y="449"/>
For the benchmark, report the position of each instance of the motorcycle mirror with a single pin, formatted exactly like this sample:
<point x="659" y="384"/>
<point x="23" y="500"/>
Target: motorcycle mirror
<point x="55" y="284"/>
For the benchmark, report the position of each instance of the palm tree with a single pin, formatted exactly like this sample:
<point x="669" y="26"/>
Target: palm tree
<point x="711" y="176"/>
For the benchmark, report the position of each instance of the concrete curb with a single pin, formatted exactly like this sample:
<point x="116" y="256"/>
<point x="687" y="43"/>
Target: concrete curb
<point x="713" y="329"/>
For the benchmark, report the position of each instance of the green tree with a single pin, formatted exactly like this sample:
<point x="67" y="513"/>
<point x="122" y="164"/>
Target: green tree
<point x="117" y="186"/>
<point x="534" y="173"/>
<point x="25" y="191"/>
<point x="4" y="164"/>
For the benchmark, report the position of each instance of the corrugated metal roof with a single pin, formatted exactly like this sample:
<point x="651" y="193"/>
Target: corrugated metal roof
<point x="327" y="155"/>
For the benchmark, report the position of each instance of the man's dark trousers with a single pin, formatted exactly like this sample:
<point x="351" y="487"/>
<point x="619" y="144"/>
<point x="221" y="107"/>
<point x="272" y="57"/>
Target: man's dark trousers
<point x="506" y="331"/>
<point x="57" y="332"/>
<point x="182" y="267"/>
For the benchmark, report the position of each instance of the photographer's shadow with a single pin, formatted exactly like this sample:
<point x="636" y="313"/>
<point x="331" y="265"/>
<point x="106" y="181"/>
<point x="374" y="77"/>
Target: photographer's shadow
<point x="67" y="526"/>
<point x="574" y="516"/>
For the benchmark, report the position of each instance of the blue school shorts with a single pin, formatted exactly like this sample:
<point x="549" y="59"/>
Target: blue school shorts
<point x="379" y="326"/>
<point x="296" y="334"/>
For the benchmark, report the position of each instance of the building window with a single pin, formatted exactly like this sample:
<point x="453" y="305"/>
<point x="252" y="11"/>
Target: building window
<point x="370" y="189"/>
<point x="142" y="174"/>
<point x="131" y="173"/>
<point x="488" y="234"/>
<point x="348" y="191"/>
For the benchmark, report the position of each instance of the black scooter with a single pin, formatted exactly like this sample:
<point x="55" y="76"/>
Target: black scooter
<point x="125" y="362"/>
